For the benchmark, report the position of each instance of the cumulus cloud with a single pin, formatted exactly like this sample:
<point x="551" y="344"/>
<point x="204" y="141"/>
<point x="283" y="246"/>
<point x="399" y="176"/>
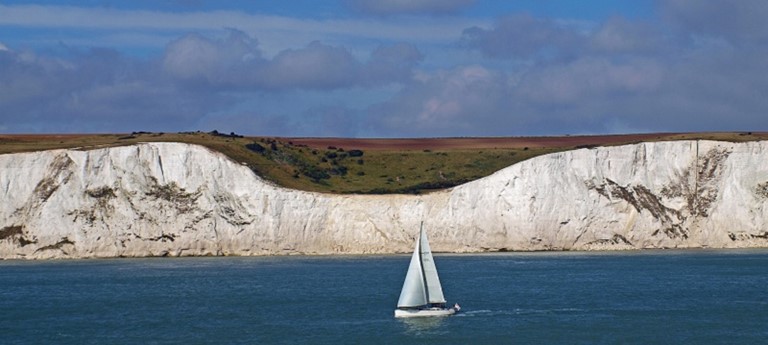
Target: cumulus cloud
<point x="616" y="87"/>
<point x="459" y="101"/>
<point x="95" y="90"/>
<point x="699" y="66"/>
<point x="588" y="79"/>
<point x="102" y="90"/>
<point x="236" y="62"/>
<point x="198" y="58"/>
<point x="316" y="66"/>
<point x="395" y="7"/>
<point x="700" y="70"/>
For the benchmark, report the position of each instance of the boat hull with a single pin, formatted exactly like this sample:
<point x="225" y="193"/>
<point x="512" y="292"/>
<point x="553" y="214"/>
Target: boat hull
<point x="425" y="312"/>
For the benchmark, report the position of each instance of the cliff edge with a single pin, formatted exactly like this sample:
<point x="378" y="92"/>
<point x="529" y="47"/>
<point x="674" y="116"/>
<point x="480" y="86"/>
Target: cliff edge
<point x="158" y="199"/>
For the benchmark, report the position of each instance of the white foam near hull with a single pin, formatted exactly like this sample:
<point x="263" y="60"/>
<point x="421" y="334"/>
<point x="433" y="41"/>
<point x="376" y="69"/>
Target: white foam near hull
<point x="425" y="312"/>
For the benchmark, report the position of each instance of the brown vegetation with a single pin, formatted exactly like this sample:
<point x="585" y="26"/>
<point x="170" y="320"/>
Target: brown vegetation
<point x="574" y="141"/>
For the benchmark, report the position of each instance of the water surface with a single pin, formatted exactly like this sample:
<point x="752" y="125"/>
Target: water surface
<point x="665" y="297"/>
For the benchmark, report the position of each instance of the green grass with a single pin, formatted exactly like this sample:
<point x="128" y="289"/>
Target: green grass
<point x="341" y="170"/>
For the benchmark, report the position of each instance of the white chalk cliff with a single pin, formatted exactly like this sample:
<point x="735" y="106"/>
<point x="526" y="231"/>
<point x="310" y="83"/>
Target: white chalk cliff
<point x="175" y="199"/>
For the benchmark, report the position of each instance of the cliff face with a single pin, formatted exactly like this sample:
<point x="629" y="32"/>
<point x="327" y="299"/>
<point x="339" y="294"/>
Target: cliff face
<point x="174" y="199"/>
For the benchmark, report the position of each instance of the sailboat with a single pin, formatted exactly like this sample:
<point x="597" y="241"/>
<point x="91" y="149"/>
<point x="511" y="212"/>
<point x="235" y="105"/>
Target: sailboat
<point x="422" y="294"/>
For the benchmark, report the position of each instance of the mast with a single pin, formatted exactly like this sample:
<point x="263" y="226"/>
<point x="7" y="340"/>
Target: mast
<point x="421" y="261"/>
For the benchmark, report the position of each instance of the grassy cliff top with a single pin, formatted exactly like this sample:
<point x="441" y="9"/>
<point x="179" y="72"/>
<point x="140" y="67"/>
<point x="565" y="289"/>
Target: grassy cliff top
<point x="371" y="166"/>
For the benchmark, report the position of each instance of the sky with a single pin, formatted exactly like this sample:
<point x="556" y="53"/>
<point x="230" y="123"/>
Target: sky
<point x="384" y="68"/>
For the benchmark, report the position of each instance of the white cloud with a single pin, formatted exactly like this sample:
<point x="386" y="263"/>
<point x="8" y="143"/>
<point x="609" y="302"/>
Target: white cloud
<point x="589" y="79"/>
<point x="103" y="90"/>
<point x="315" y="66"/>
<point x="229" y="61"/>
<point x="695" y="71"/>
<point x="236" y="63"/>
<point x="459" y="101"/>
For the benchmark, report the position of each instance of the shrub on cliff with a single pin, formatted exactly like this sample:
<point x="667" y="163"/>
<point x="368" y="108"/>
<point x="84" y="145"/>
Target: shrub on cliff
<point x="255" y="147"/>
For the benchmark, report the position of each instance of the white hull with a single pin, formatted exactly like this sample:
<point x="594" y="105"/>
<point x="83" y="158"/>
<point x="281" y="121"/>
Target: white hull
<point x="425" y="312"/>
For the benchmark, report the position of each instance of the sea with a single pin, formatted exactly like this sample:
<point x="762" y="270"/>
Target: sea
<point x="637" y="297"/>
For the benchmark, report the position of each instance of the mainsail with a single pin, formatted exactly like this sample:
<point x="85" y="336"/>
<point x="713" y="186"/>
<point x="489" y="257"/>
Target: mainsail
<point x="422" y="285"/>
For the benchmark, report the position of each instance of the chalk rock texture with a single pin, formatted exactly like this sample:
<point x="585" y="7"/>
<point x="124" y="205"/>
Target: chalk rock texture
<point x="173" y="199"/>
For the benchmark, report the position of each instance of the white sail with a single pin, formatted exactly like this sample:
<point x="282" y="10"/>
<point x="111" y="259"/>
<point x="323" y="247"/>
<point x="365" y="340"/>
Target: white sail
<point x="414" y="293"/>
<point x="434" y="290"/>
<point x="422" y="285"/>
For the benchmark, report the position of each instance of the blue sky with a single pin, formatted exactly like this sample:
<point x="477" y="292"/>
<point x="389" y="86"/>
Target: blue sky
<point x="387" y="68"/>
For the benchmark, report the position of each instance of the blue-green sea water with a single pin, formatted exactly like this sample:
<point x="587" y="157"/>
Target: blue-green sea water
<point x="656" y="297"/>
